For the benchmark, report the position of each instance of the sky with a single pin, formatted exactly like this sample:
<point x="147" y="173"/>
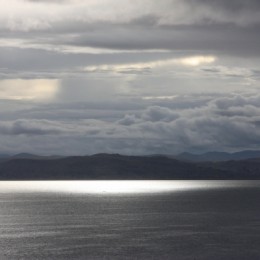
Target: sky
<point x="131" y="76"/>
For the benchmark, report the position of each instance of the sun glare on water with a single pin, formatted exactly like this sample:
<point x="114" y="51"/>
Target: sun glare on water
<point x="91" y="186"/>
<point x="96" y="187"/>
<point x="110" y="187"/>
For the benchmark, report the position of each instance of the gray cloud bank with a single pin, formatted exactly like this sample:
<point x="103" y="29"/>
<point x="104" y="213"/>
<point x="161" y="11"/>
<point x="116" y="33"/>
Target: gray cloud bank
<point x="231" y="26"/>
<point x="230" y="123"/>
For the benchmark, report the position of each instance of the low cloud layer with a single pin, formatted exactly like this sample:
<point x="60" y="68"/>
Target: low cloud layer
<point x="213" y="123"/>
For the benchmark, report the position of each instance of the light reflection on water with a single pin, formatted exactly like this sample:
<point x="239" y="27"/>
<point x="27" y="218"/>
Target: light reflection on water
<point x="114" y="187"/>
<point x="96" y="220"/>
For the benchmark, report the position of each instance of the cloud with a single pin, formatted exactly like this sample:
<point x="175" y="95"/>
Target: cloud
<point x="30" y="127"/>
<point x="167" y="12"/>
<point x="82" y="26"/>
<point x="58" y="15"/>
<point x="160" y="97"/>
<point x="230" y="6"/>
<point x="36" y="89"/>
<point x="210" y="127"/>
<point x="157" y="113"/>
<point x="128" y="120"/>
<point x="90" y="76"/>
<point x="146" y="66"/>
<point x="218" y="122"/>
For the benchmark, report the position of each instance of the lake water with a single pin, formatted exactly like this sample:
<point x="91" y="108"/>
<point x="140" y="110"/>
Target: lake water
<point x="130" y="220"/>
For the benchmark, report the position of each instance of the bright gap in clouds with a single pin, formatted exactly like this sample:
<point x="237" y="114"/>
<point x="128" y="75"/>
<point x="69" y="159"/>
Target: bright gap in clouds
<point x="32" y="89"/>
<point x="185" y="61"/>
<point x="197" y="60"/>
<point x="160" y="97"/>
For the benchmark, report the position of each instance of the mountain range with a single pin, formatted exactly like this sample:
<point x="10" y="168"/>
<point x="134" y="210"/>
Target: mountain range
<point x="120" y="167"/>
<point x="218" y="156"/>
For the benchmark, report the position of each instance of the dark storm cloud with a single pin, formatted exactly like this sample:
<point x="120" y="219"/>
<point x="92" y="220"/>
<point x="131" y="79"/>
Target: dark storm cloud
<point x="157" y="113"/>
<point x="231" y="5"/>
<point x="160" y="27"/>
<point x="128" y="120"/>
<point x="210" y="38"/>
<point x="29" y="127"/>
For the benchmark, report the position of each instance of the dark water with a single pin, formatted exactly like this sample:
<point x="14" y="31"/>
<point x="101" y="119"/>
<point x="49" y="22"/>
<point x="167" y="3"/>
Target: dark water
<point x="179" y="220"/>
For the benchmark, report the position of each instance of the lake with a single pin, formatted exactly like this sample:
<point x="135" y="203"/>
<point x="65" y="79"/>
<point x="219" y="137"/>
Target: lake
<point x="130" y="220"/>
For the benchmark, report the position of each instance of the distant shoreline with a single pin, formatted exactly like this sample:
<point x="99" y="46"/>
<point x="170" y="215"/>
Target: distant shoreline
<point x="119" y="167"/>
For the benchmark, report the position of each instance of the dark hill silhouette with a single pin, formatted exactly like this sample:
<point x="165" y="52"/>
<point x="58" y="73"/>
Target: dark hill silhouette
<point x="118" y="167"/>
<point x="218" y="156"/>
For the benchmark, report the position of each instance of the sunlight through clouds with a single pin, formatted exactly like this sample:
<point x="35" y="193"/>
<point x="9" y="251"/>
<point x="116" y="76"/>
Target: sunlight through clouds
<point x="186" y="61"/>
<point x="197" y="60"/>
<point x="36" y="89"/>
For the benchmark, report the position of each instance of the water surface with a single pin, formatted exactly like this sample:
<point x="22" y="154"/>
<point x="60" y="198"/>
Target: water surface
<point x="130" y="220"/>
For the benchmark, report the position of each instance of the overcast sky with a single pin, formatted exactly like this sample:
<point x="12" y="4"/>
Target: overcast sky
<point x="129" y="76"/>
